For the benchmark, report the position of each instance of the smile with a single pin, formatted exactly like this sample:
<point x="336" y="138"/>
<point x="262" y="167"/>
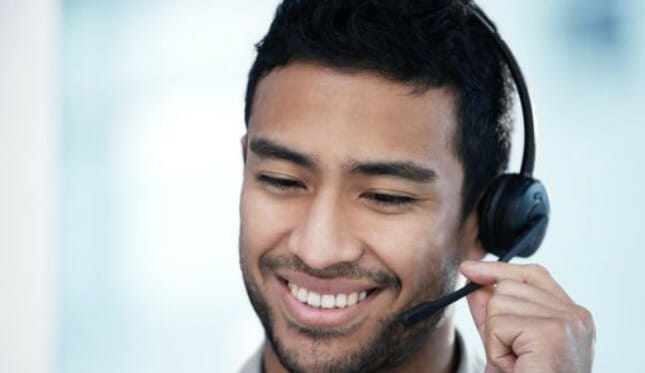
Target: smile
<point x="326" y="301"/>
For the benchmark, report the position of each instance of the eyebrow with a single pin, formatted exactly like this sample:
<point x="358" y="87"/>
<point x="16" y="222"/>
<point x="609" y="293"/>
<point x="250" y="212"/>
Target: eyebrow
<point x="404" y="170"/>
<point x="268" y="149"/>
<point x="265" y="148"/>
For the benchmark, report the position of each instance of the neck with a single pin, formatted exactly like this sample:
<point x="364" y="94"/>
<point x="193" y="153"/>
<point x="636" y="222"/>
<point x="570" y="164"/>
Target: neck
<point x="439" y="354"/>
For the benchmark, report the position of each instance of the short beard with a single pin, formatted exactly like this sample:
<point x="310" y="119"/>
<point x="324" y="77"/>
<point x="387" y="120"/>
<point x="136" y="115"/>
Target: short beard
<point x="391" y="347"/>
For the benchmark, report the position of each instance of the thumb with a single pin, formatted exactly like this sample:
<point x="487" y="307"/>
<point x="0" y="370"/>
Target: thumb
<point x="490" y="368"/>
<point x="477" y="302"/>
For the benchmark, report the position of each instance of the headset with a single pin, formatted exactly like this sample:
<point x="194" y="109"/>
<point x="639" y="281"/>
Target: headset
<point x="514" y="209"/>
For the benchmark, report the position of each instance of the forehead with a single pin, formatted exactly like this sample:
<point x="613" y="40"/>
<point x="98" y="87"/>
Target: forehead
<point x="330" y="112"/>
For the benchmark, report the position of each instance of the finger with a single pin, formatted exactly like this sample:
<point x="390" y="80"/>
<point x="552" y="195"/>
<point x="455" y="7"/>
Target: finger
<point x="488" y="273"/>
<point x="510" y="305"/>
<point x="490" y="368"/>
<point x="504" y="361"/>
<point x="486" y="303"/>
<point x="530" y="293"/>
<point x="513" y="340"/>
<point x="501" y="332"/>
<point x="512" y="298"/>
<point x="477" y="302"/>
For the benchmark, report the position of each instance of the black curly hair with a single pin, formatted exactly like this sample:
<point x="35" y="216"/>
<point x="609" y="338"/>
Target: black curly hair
<point x="425" y="43"/>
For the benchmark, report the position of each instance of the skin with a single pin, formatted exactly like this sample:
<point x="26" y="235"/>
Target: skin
<point x="330" y="214"/>
<point x="527" y="322"/>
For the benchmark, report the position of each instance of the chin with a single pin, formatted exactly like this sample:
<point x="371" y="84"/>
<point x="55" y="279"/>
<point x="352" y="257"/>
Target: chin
<point x="376" y="344"/>
<point x="315" y="350"/>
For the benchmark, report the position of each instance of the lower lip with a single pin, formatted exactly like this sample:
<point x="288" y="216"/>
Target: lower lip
<point x="321" y="317"/>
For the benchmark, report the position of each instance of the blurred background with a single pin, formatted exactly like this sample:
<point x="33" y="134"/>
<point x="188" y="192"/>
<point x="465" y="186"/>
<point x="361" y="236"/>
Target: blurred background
<point x="120" y="172"/>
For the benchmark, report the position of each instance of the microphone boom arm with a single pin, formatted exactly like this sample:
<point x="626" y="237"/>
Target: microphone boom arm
<point x="427" y="309"/>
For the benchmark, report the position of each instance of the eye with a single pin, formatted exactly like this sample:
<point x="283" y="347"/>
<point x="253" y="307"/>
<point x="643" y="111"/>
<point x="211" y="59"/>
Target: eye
<point x="281" y="183"/>
<point x="389" y="200"/>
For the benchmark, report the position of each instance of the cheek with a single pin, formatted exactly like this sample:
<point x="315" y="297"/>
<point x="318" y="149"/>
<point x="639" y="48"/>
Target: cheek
<point x="263" y="222"/>
<point x="414" y="247"/>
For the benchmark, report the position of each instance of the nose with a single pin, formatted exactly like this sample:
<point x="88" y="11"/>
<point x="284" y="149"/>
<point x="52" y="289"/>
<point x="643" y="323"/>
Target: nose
<point x="324" y="236"/>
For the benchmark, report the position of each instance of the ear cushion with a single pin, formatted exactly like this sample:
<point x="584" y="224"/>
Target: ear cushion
<point x="509" y="207"/>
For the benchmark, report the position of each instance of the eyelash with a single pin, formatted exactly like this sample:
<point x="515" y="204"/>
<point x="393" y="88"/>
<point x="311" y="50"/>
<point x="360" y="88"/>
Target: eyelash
<point x="280" y="183"/>
<point x="388" y="200"/>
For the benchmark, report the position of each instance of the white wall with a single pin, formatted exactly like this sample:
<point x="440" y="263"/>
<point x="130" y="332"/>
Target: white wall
<point x="149" y="172"/>
<point x="28" y="170"/>
<point x="154" y="95"/>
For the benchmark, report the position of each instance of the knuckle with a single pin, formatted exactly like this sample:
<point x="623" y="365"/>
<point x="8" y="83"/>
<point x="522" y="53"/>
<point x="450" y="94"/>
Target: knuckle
<point x="503" y="287"/>
<point x="575" y="325"/>
<point x="584" y="319"/>
<point x="538" y="271"/>
<point x="586" y="316"/>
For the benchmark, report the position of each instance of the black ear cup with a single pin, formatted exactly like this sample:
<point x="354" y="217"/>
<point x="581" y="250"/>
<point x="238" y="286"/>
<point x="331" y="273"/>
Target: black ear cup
<point x="511" y="205"/>
<point x="514" y="210"/>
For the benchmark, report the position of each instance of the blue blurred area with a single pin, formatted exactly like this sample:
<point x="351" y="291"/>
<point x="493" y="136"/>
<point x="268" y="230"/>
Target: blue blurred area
<point x="151" y="125"/>
<point x="152" y="95"/>
<point x="597" y="24"/>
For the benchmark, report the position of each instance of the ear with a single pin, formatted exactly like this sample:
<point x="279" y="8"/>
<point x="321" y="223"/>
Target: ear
<point x="243" y="142"/>
<point x="471" y="244"/>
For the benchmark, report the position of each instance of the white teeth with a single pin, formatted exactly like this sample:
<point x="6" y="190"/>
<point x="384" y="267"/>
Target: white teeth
<point x="313" y="299"/>
<point x="352" y="299"/>
<point x="326" y="301"/>
<point x="341" y="300"/>
<point x="302" y="295"/>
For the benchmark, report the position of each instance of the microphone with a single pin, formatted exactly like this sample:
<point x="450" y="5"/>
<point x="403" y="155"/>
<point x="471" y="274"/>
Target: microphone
<point x="529" y="240"/>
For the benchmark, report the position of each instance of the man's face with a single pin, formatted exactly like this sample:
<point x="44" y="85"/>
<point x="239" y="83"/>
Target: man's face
<point x="350" y="213"/>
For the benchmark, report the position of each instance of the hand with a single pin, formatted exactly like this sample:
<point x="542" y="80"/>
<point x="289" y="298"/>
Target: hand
<point x="527" y="322"/>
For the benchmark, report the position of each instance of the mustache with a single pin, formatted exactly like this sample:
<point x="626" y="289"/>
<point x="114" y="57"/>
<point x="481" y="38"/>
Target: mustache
<point x="272" y="263"/>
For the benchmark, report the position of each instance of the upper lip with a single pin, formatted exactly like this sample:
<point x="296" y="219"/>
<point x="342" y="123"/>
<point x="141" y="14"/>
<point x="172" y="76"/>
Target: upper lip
<point x="337" y="285"/>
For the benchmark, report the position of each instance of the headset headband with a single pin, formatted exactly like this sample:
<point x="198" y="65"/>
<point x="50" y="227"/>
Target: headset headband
<point x="528" y="157"/>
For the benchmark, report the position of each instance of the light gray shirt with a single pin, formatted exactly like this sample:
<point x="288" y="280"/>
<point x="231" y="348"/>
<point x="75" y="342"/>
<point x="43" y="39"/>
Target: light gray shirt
<point x="469" y="362"/>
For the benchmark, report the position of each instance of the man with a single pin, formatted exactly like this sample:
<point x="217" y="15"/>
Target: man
<point x="373" y="129"/>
